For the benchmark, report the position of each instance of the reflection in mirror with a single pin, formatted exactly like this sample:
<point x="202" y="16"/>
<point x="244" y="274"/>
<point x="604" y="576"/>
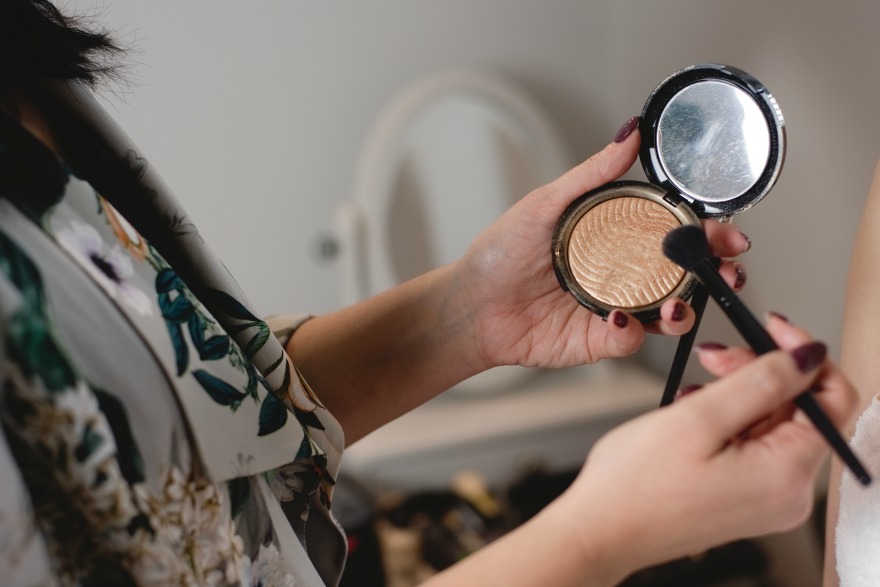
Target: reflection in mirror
<point x="713" y="141"/>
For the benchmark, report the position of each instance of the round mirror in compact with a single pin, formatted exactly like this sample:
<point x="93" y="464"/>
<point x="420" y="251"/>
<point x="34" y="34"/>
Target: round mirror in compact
<point x="713" y="145"/>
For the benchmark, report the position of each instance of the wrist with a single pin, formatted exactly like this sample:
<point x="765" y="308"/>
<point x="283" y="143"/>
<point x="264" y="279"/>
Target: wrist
<point x="596" y="541"/>
<point x="461" y="311"/>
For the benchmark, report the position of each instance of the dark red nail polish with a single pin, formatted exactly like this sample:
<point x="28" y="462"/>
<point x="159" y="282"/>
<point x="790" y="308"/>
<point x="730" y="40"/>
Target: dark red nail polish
<point x="620" y="319"/>
<point x="740" y="280"/>
<point x="809" y="356"/>
<point x="748" y="242"/>
<point x="678" y="312"/>
<point x="710" y="346"/>
<point x="628" y="127"/>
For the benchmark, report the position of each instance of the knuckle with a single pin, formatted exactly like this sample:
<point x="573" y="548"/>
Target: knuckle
<point x="797" y="508"/>
<point x="602" y="169"/>
<point x="597" y="166"/>
<point x="769" y="379"/>
<point x="795" y="486"/>
<point x="850" y="399"/>
<point x="792" y="499"/>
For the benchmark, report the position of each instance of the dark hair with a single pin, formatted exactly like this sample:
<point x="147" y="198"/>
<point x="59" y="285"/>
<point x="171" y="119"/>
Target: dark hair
<point x="38" y="42"/>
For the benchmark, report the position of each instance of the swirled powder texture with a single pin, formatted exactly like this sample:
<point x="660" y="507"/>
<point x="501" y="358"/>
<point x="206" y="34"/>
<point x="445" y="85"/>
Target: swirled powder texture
<point x="615" y="252"/>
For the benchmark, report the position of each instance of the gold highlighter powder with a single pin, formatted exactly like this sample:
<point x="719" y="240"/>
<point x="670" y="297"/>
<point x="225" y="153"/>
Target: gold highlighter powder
<point x="608" y="249"/>
<point x="615" y="252"/>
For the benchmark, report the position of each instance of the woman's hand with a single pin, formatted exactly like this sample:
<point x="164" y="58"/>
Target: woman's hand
<point x="521" y="315"/>
<point x="701" y="473"/>
<point x="684" y="478"/>
<point x="500" y="304"/>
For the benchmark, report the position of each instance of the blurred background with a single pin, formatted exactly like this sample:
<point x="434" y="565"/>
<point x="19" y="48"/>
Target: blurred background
<point x="261" y="114"/>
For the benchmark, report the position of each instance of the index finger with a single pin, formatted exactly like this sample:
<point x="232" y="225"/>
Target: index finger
<point x="726" y="239"/>
<point x="603" y="167"/>
<point x="730" y="405"/>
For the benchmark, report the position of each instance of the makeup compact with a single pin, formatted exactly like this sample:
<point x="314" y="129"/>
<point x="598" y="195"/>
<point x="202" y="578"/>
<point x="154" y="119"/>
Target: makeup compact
<point x="713" y="145"/>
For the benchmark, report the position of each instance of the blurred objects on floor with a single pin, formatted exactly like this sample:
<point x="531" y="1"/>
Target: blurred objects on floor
<point x="401" y="539"/>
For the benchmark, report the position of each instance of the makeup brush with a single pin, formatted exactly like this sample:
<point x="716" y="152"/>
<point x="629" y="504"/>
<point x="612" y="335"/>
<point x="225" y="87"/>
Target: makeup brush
<point x="685" y="345"/>
<point x="688" y="247"/>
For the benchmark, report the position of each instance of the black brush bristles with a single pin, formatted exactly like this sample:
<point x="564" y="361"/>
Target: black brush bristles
<point x="687" y="246"/>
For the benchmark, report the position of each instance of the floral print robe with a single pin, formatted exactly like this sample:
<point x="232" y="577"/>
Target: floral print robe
<point x="155" y="432"/>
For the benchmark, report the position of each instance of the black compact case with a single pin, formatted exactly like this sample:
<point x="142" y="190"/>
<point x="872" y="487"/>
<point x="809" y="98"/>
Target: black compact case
<point x="713" y="145"/>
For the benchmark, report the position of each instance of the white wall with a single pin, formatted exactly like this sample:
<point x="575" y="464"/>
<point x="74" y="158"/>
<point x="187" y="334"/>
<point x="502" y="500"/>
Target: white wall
<point x="255" y="111"/>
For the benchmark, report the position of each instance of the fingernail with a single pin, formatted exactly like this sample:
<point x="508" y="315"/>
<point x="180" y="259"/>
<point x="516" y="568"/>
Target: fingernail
<point x="628" y="127"/>
<point x="747" y="241"/>
<point x="710" y="346"/>
<point x="809" y="356"/>
<point x="619" y="319"/>
<point x="778" y="316"/>
<point x="740" y="280"/>
<point x="678" y="312"/>
<point x="686" y="390"/>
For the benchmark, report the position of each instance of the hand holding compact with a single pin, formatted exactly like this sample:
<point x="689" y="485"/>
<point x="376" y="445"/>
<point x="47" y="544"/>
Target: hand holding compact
<point x="520" y="315"/>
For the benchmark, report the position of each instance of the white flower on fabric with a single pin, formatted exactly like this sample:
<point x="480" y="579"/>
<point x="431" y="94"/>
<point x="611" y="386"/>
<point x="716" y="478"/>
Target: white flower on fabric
<point x="223" y="553"/>
<point x="285" y="482"/>
<point x="80" y="406"/>
<point x="156" y="564"/>
<point x="62" y="427"/>
<point x="268" y="569"/>
<point x="183" y="535"/>
<point x="189" y="516"/>
<point x="110" y="268"/>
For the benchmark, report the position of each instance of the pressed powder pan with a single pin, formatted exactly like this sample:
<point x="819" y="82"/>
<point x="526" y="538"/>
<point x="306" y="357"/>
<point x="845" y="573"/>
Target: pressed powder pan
<point x="609" y="248"/>
<point x="713" y="143"/>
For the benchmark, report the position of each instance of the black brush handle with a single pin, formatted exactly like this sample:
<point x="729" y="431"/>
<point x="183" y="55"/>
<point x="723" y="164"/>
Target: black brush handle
<point x="685" y="344"/>
<point x="761" y="342"/>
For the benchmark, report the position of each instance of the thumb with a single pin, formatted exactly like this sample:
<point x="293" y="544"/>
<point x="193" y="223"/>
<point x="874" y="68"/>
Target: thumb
<point x="605" y="166"/>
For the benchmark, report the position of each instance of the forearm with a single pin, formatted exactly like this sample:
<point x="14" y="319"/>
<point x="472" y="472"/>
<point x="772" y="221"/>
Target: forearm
<point x="860" y="345"/>
<point x="376" y="360"/>
<point x="552" y="548"/>
<point x="861" y="335"/>
<point x="829" y="573"/>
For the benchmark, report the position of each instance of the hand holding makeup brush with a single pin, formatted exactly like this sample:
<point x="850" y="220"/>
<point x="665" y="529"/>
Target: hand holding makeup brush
<point x="720" y="361"/>
<point x="683" y="479"/>
<point x="687" y="246"/>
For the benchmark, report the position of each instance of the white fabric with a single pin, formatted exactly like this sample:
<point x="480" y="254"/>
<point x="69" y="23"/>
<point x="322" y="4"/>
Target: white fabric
<point x="857" y="539"/>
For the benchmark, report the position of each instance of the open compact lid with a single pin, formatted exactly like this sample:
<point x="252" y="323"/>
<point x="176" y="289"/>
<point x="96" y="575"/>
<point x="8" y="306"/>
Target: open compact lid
<point x="714" y="136"/>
